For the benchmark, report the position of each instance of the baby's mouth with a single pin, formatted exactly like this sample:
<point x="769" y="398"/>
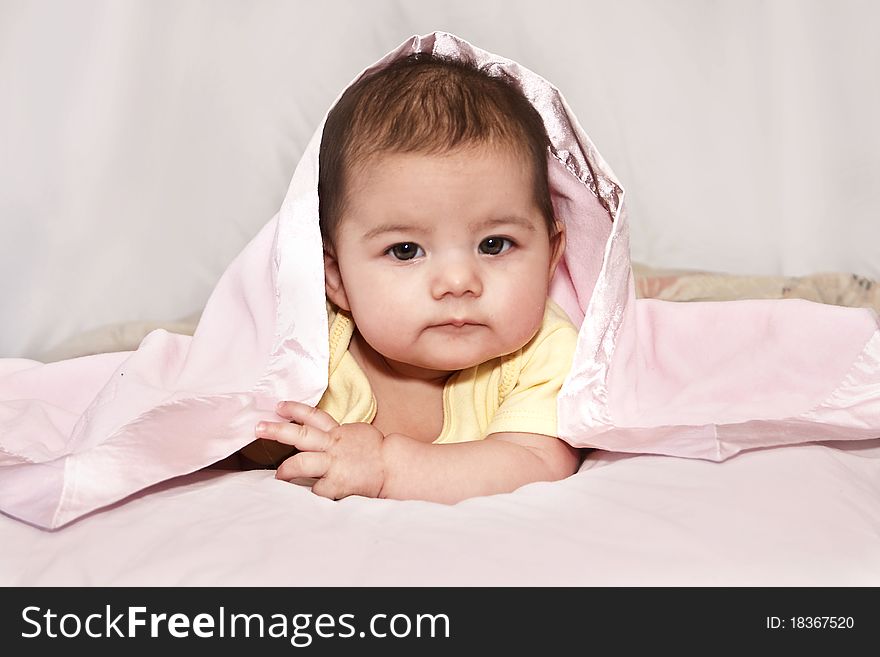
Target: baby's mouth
<point x="456" y="324"/>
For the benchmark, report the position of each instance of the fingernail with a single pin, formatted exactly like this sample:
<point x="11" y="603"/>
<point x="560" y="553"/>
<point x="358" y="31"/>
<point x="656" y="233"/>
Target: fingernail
<point x="261" y="427"/>
<point x="279" y="404"/>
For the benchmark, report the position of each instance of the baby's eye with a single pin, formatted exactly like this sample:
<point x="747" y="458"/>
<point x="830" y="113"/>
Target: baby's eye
<point x="405" y="251"/>
<point x="495" y="245"/>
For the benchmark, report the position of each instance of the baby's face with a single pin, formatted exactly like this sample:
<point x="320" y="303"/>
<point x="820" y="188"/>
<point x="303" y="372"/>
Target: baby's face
<point x="443" y="260"/>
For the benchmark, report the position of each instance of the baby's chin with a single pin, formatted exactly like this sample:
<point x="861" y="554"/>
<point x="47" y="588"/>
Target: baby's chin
<point x="446" y="356"/>
<point x="450" y="362"/>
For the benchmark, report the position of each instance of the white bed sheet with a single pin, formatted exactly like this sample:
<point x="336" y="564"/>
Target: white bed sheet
<point x="805" y="515"/>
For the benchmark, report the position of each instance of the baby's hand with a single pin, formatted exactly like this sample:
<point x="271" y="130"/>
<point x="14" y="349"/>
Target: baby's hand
<point x="346" y="460"/>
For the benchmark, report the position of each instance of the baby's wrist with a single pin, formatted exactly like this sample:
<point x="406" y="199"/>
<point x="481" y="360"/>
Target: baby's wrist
<point x="392" y="444"/>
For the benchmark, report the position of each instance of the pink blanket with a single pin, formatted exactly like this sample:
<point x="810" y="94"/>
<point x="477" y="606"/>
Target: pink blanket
<point x="699" y="380"/>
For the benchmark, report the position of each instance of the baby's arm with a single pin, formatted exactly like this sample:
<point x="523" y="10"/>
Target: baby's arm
<point x="452" y="472"/>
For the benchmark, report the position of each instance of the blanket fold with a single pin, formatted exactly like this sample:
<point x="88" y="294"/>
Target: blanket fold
<point x="699" y="380"/>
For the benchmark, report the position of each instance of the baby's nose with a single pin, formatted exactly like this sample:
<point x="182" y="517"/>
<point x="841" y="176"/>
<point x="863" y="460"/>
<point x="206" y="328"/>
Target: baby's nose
<point x="457" y="277"/>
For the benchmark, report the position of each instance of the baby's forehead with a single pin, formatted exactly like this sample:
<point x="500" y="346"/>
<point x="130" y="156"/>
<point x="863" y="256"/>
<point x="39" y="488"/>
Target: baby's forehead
<point x="412" y="177"/>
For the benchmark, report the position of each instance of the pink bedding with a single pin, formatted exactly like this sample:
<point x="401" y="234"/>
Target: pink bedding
<point x="701" y="380"/>
<point x="804" y="515"/>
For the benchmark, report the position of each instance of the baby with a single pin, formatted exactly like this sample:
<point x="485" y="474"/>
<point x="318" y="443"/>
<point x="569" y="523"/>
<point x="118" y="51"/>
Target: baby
<point x="440" y="241"/>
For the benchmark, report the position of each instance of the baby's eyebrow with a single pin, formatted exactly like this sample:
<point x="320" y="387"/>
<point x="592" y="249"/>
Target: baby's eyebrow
<point x="503" y="221"/>
<point x="395" y="228"/>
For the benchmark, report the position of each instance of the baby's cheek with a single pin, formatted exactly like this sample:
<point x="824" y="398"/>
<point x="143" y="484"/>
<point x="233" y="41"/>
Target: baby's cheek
<point x="525" y="318"/>
<point x="383" y="333"/>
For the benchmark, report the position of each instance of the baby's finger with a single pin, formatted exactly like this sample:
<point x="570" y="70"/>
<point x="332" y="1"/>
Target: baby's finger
<point x="305" y="414"/>
<point x="304" y="465"/>
<point x="302" y="437"/>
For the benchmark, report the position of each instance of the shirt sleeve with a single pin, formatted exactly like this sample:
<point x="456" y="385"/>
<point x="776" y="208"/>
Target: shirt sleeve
<point x="530" y="407"/>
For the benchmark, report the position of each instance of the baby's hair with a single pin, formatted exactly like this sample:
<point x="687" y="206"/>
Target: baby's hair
<point x="426" y="104"/>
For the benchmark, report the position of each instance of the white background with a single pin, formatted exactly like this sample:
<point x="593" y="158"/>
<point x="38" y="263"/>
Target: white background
<point x="142" y="144"/>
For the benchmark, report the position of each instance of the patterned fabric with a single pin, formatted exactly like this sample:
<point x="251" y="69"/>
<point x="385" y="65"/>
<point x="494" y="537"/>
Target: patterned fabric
<point x="838" y="289"/>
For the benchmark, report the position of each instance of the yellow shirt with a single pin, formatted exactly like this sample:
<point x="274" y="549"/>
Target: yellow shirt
<point x="512" y="393"/>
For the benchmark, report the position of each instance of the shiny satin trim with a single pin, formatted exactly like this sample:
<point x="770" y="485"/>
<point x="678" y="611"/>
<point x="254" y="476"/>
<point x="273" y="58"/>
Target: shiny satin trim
<point x="856" y="402"/>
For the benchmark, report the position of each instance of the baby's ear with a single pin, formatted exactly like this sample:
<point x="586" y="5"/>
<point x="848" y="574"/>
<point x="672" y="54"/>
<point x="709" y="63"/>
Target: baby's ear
<point x="333" y="280"/>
